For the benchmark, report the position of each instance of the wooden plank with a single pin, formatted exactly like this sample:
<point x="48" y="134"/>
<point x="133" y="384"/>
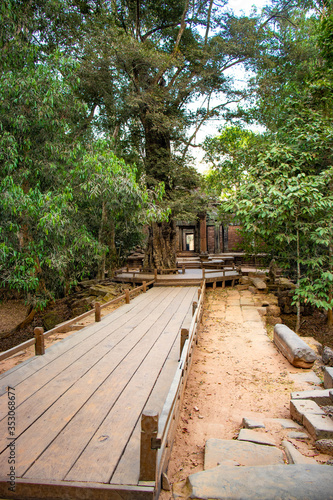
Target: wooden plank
<point x="125" y="413"/>
<point x="50" y="490"/>
<point x="64" y="347"/>
<point x="77" y="394"/>
<point x="128" y="469"/>
<point x="32" y="365"/>
<point x="92" y="413"/>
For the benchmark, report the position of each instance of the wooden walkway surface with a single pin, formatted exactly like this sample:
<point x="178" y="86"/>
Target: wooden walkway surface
<point x="78" y="407"/>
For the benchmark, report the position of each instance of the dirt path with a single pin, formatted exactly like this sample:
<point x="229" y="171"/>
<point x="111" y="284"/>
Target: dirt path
<point x="236" y="372"/>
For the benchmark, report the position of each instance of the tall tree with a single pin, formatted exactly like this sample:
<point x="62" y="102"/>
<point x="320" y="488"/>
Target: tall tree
<point x="149" y="71"/>
<point x="285" y="200"/>
<point x="51" y="179"/>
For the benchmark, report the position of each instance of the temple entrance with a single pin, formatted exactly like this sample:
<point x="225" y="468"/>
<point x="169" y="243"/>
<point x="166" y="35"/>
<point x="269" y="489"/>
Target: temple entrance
<point x="189" y="242"/>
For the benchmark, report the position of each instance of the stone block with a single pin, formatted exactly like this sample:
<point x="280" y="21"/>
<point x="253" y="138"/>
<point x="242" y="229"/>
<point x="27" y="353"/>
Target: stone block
<point x="225" y="452"/>
<point x="285" y="482"/>
<point x="248" y="423"/>
<point x="327" y="356"/>
<point x="325" y="446"/>
<point x="328" y="377"/>
<point x="272" y="320"/>
<point x="321" y="397"/>
<point x="255" y="437"/>
<point x="273" y="311"/>
<point x="300" y="436"/>
<point x="297" y="352"/>
<point x="318" y="426"/>
<point x="262" y="311"/>
<point x="294" y="456"/>
<point x="299" y="407"/>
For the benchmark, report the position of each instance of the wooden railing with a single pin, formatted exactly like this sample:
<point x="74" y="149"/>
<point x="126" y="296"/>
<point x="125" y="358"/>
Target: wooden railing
<point x="157" y="431"/>
<point x="40" y="335"/>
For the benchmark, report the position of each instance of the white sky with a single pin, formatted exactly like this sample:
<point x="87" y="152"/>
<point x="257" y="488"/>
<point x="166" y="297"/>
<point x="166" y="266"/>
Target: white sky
<point x="239" y="7"/>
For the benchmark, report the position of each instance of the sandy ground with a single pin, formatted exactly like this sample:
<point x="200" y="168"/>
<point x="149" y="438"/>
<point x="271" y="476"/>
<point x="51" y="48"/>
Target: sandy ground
<point x="236" y="372"/>
<point x="13" y="319"/>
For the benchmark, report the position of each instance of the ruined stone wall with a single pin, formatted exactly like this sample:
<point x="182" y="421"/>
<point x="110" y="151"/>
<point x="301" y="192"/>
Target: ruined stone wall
<point x="234" y="239"/>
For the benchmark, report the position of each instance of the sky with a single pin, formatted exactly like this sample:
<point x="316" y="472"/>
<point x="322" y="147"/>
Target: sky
<point x="238" y="6"/>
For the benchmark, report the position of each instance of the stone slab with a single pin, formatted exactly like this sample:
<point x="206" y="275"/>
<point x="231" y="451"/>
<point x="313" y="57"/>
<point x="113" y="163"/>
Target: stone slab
<point x="297" y="352"/>
<point x="300" y="407"/>
<point x="321" y="397"/>
<point x="286" y="423"/>
<point x="255" y="437"/>
<point x="220" y="452"/>
<point x="319" y="426"/>
<point x="301" y="436"/>
<point x="249" y="423"/>
<point x="308" y="377"/>
<point x="328" y="377"/>
<point x="283" y="482"/>
<point x="250" y="314"/>
<point x="294" y="456"/>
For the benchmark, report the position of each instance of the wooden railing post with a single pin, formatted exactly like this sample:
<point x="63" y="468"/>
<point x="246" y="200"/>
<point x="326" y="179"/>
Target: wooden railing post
<point x="183" y="269"/>
<point x="144" y="286"/>
<point x="148" y="446"/>
<point x="214" y="285"/>
<point x="199" y="293"/>
<point x="155" y="274"/>
<point x="194" y="307"/>
<point x="40" y="341"/>
<point x="184" y="334"/>
<point x="203" y="273"/>
<point x="97" y="311"/>
<point x="127" y="296"/>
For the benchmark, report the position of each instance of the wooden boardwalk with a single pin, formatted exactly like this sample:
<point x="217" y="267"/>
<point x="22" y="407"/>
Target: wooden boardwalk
<point x="191" y="277"/>
<point x="78" y="407"/>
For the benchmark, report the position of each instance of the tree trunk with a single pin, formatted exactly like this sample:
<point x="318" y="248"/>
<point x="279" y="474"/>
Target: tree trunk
<point x="298" y="305"/>
<point x="162" y="241"/>
<point x="101" y="238"/>
<point x="161" y="248"/>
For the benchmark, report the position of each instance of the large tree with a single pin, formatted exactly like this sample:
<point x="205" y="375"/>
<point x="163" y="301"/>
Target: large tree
<point x="285" y="197"/>
<point x="148" y="72"/>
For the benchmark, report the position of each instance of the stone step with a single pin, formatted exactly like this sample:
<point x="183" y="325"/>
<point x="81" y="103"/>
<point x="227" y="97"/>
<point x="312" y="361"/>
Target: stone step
<point x="294" y="456"/>
<point x="228" y="452"/>
<point x="301" y="407"/>
<point x="321" y="397"/>
<point x="255" y="437"/>
<point x="285" y="482"/>
<point x="318" y="426"/>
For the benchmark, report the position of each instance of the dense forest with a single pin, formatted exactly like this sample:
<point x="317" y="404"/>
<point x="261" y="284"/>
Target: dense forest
<point x="101" y="101"/>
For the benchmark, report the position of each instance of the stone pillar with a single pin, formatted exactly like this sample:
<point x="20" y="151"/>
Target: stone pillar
<point x="225" y="239"/>
<point x="203" y="233"/>
<point x="217" y="248"/>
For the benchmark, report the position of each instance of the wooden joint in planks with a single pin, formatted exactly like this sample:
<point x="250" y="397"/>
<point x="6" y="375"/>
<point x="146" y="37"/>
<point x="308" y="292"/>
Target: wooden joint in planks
<point x="40" y="341"/>
<point x="184" y="334"/>
<point x="97" y="311"/>
<point x="148" y="455"/>
<point x="127" y="296"/>
<point x="194" y="307"/>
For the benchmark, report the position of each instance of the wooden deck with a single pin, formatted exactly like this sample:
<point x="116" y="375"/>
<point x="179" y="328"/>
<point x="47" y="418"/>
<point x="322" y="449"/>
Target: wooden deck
<point x="191" y="277"/>
<point x="78" y="407"/>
